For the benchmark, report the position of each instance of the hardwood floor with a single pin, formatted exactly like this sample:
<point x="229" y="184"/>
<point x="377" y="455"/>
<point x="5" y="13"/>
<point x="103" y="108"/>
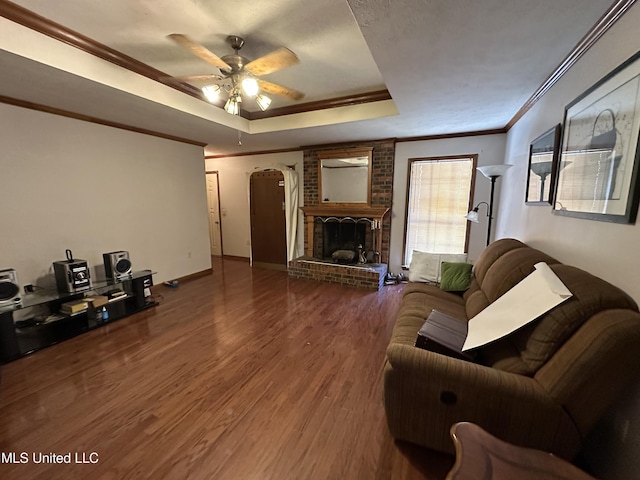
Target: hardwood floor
<point x="243" y="374"/>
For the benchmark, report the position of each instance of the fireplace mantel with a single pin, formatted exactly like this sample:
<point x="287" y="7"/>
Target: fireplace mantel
<point x="362" y="211"/>
<point x="340" y="211"/>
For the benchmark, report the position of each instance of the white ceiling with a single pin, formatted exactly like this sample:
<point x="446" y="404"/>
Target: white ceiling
<point x="451" y="66"/>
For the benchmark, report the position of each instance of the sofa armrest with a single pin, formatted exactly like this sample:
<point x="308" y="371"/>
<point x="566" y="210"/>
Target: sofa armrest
<point x="594" y="365"/>
<point x="426" y="392"/>
<point x="461" y="376"/>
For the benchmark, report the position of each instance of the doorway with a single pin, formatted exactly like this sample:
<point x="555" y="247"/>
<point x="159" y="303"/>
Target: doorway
<point x="268" y="220"/>
<point x="213" y="202"/>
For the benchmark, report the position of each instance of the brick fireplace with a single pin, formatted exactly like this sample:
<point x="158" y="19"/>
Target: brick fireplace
<point x="373" y="215"/>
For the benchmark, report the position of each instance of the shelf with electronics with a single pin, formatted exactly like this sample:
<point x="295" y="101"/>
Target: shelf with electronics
<point x="46" y="317"/>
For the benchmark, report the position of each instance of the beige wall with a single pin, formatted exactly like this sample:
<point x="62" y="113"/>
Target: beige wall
<point x="94" y="189"/>
<point x="604" y="249"/>
<point x="234" y="197"/>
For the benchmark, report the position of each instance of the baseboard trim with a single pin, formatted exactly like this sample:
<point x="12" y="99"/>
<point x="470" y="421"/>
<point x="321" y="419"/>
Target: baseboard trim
<point x="194" y="276"/>
<point x="233" y="257"/>
<point x="270" y="266"/>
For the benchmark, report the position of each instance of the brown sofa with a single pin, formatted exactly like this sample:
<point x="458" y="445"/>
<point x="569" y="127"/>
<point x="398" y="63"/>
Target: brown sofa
<point x="543" y="386"/>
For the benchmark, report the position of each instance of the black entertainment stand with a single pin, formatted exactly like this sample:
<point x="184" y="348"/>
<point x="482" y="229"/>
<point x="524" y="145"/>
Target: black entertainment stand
<point x="36" y="322"/>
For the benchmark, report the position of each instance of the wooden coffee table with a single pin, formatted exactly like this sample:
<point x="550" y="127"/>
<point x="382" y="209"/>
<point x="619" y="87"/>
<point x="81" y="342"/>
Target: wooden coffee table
<point x="481" y="456"/>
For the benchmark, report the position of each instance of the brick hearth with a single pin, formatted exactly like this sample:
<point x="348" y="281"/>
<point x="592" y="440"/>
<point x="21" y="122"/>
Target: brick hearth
<point x="369" y="276"/>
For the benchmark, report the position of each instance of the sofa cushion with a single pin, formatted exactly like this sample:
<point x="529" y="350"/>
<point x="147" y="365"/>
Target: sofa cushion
<point x="423" y="296"/>
<point x="508" y="270"/>
<point x="513" y="261"/>
<point x="492" y="253"/>
<point x="456" y="277"/>
<point x="475" y="299"/>
<point x="539" y="340"/>
<point x="426" y="267"/>
<point x="418" y="301"/>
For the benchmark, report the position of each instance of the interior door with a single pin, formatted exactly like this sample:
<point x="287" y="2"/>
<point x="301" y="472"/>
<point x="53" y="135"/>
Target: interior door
<point x="268" y="222"/>
<point x="213" y="200"/>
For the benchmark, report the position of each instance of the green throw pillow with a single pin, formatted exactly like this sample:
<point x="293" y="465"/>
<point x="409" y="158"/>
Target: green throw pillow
<point x="456" y="277"/>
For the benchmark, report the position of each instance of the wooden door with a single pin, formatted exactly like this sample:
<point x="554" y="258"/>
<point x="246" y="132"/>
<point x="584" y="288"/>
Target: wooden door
<point x="268" y="223"/>
<point x="213" y="201"/>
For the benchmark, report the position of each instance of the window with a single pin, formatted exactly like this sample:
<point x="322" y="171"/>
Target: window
<point x="438" y="199"/>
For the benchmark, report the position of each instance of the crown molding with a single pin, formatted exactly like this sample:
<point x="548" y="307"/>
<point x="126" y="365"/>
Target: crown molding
<point x="610" y="17"/>
<point x="86" y="118"/>
<point x="257" y="152"/>
<point x="29" y="19"/>
<point x="348" y="100"/>
<point x="444" y="136"/>
<point x="363" y="142"/>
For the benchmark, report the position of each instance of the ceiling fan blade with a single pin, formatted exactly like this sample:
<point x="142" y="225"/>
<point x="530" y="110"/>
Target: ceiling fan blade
<point x="276" y="89"/>
<point x="272" y="62"/>
<point x="199" y="51"/>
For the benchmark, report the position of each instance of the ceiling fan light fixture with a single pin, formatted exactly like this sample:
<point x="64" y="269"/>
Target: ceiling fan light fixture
<point x="233" y="104"/>
<point x="263" y="101"/>
<point x="232" y="107"/>
<point x="238" y="74"/>
<point x="250" y="86"/>
<point x="211" y="92"/>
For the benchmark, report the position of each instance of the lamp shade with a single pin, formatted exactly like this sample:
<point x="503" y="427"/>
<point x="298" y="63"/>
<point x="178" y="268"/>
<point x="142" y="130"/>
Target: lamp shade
<point x="263" y="101"/>
<point x="211" y="92"/>
<point x="541" y="169"/>
<point x="232" y="106"/>
<point x="472" y="216"/>
<point x="494" y="170"/>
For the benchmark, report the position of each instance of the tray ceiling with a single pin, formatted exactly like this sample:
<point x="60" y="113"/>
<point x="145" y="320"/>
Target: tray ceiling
<point x="450" y="66"/>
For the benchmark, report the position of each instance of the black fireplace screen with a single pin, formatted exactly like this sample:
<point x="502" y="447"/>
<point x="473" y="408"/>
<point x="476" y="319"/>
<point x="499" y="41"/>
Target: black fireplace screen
<point x="342" y="236"/>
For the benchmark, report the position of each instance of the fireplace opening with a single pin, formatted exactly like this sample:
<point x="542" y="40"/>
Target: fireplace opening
<point x="343" y="236"/>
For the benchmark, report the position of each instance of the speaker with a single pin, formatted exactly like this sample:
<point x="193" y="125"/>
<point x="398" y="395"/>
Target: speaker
<point x="117" y="264"/>
<point x="9" y="287"/>
<point x="72" y="275"/>
<point x="142" y="290"/>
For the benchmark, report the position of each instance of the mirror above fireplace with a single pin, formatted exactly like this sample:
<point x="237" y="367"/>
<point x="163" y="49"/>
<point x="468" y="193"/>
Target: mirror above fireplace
<point x="344" y="176"/>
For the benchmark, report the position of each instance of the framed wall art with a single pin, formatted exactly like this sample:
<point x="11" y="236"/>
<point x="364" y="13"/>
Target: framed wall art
<point x="544" y="152"/>
<point x="597" y="174"/>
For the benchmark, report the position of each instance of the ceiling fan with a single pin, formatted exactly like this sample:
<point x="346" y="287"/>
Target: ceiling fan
<point x="239" y="75"/>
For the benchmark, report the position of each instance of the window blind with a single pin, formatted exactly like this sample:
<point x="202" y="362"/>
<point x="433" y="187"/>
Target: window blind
<point x="439" y="191"/>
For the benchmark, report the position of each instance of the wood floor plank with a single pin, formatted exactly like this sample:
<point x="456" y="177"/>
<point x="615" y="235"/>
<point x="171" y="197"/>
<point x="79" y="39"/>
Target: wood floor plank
<point x="243" y="374"/>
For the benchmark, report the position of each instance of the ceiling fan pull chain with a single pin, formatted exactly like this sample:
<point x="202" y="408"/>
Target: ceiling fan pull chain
<point x="239" y="138"/>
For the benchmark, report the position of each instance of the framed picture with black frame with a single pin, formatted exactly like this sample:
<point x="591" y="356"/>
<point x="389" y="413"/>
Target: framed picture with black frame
<point x="544" y="152"/>
<point x="597" y="176"/>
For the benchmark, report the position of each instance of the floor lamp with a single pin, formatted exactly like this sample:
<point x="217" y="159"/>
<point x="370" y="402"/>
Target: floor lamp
<point x="492" y="172"/>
